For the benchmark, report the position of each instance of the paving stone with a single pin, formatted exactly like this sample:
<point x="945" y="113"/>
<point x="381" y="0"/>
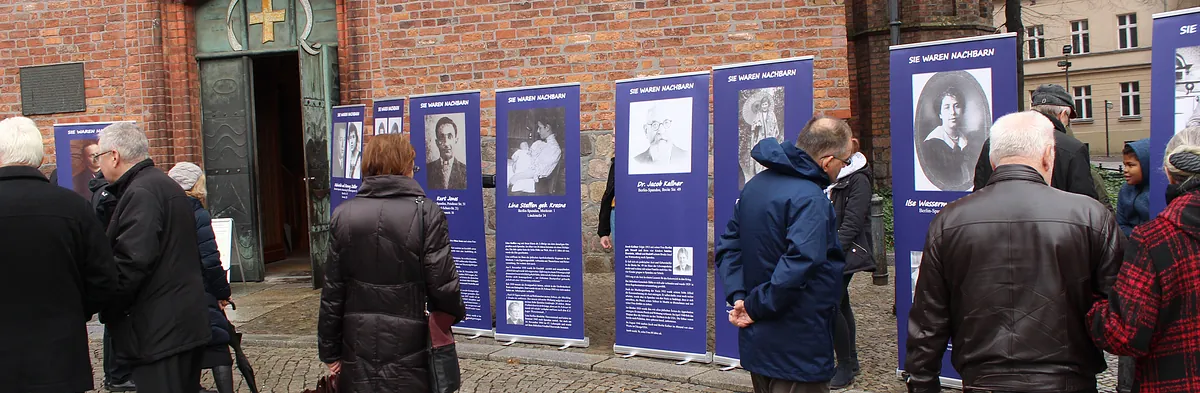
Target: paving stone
<point x="650" y="369"/>
<point x="548" y="357"/>
<point x="475" y="351"/>
<point x="736" y="380"/>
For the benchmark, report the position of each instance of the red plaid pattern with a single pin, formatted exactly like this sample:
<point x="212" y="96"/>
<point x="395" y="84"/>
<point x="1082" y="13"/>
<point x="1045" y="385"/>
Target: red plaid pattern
<point x="1153" y="309"/>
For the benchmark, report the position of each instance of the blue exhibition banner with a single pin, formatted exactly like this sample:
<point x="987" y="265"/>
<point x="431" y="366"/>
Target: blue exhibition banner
<point x="388" y="114"/>
<point x="539" y="257"/>
<point x="345" y="154"/>
<point x="74" y="146"/>
<point x="1174" y="78"/>
<point x="750" y="102"/>
<point x="444" y="129"/>
<point x="945" y="96"/>
<point x="662" y="186"/>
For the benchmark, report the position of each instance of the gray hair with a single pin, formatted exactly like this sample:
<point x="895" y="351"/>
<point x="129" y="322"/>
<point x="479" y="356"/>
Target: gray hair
<point x="1023" y="134"/>
<point x="1185" y="141"/>
<point x="127" y="139"/>
<point x="1051" y="110"/>
<point x="20" y="143"/>
<point x="824" y="136"/>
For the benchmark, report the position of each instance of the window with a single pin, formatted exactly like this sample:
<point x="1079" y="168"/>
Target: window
<point x="1127" y="31"/>
<point x="1081" y="41"/>
<point x="1083" y="102"/>
<point x="1131" y="99"/>
<point x="1035" y="39"/>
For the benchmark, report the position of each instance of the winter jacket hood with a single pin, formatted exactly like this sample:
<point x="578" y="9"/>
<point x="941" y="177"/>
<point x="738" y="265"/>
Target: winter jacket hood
<point x="851" y="196"/>
<point x="786" y="159"/>
<point x="1133" y="202"/>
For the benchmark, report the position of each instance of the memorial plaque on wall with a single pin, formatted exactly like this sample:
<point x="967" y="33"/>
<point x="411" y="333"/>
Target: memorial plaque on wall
<point x="52" y="89"/>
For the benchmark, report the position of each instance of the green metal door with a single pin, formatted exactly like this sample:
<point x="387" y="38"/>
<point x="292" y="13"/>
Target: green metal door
<point x="319" y="93"/>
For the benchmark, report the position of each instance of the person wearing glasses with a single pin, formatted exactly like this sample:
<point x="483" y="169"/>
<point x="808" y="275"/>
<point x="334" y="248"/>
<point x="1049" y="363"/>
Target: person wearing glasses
<point x="663" y="155"/>
<point x="780" y="260"/>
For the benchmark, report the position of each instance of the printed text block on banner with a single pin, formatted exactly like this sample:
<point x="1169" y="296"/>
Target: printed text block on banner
<point x="661" y="238"/>
<point x="444" y="129"/>
<point x="751" y="102"/>
<point x="980" y="75"/>
<point x="539" y="264"/>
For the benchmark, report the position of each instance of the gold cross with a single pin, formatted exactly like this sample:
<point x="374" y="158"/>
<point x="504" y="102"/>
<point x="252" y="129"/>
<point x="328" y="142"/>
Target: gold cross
<point x="268" y="17"/>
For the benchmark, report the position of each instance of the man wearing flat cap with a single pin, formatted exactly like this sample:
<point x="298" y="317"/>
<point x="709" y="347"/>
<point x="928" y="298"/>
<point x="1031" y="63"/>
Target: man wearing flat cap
<point x="1072" y="161"/>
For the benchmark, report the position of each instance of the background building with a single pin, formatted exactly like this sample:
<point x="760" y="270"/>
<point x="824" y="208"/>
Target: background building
<point x="1109" y="74"/>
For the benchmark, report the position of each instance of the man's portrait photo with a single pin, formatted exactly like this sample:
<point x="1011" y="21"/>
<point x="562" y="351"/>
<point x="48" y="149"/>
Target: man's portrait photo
<point x="446" y="151"/>
<point x="761" y="117"/>
<point x="660" y="136"/>
<point x="337" y="157"/>
<point x="354" y="147"/>
<point x="394" y="125"/>
<point x="952" y="115"/>
<point x="514" y="312"/>
<point x="84" y="165"/>
<point x="681" y="264"/>
<point x="1187" y="87"/>
<point x="381" y="126"/>
<point x="535" y="155"/>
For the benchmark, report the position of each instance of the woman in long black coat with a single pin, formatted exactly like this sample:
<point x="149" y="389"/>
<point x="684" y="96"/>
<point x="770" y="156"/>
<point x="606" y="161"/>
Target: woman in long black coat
<point x="372" y="328"/>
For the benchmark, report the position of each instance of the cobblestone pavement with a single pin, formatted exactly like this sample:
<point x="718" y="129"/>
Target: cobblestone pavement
<point x="296" y="313"/>
<point x="289" y="370"/>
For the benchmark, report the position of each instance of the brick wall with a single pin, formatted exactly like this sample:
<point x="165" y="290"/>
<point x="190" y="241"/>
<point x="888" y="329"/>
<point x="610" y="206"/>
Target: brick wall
<point x="421" y="47"/>
<point x="870" y="36"/>
<point x="125" y="48"/>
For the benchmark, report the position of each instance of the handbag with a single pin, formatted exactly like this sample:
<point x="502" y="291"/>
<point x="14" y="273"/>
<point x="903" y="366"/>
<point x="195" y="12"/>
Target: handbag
<point x="327" y="384"/>
<point x="444" y="374"/>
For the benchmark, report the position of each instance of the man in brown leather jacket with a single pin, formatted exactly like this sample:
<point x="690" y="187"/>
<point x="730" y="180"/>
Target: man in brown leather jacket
<point x="1008" y="275"/>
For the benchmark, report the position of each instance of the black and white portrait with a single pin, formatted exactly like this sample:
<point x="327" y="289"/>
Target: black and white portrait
<point x="534" y="158"/>
<point x="681" y="261"/>
<point x="952" y="115"/>
<point x="394" y="125"/>
<point x="514" y="312"/>
<point x="761" y="117"/>
<point x="660" y="136"/>
<point x="1187" y="87"/>
<point x="354" y="145"/>
<point x="914" y="261"/>
<point x="337" y="158"/>
<point x="446" y="151"/>
<point x="380" y="126"/>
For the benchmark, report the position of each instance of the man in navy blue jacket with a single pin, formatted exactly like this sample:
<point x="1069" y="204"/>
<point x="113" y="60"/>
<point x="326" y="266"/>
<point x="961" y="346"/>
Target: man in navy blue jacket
<point x="781" y="262"/>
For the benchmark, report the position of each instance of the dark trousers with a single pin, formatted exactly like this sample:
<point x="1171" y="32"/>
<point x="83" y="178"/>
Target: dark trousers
<point x="1125" y="373"/>
<point x="764" y="384"/>
<point x="114" y="373"/>
<point x="844" y="329"/>
<point x="174" y="374"/>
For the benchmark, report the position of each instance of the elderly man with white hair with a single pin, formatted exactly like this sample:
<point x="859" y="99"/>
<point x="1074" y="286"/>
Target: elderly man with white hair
<point x="1009" y="273"/>
<point x="60" y="269"/>
<point x="159" y="322"/>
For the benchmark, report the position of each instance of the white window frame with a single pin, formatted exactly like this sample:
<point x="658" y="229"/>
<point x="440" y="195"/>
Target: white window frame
<point x="1131" y="99"/>
<point x="1081" y="40"/>
<point x="1127" y="30"/>
<point x="1035" y="42"/>
<point x="1083" y="102"/>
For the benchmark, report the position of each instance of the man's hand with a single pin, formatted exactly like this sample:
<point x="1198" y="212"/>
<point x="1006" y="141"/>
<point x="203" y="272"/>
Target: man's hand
<point x="335" y="367"/>
<point x="606" y="242"/>
<point x="223" y="303"/>
<point x="738" y="315"/>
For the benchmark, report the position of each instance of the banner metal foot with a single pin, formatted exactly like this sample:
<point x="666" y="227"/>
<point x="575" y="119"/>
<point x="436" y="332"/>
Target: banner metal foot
<point x="728" y="368"/>
<point x="510" y="342"/>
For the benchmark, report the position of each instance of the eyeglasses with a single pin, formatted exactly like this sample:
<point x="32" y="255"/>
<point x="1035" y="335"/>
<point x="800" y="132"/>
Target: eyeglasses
<point x="96" y="157"/>
<point x="844" y="161"/>
<point x="655" y="125"/>
<point x="416" y="169"/>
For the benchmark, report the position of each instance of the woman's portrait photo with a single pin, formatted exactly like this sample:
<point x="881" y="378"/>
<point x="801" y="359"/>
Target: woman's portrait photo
<point x="354" y="146"/>
<point x="952" y="115"/>
<point x="534" y="159"/>
<point x="761" y="117"/>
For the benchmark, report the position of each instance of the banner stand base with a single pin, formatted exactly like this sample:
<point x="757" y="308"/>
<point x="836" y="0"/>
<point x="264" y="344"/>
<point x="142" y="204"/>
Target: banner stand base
<point x="729" y="363"/>
<point x="474" y="333"/>
<point x="946" y="382"/>
<point x="683" y="357"/>
<point x="509" y="339"/>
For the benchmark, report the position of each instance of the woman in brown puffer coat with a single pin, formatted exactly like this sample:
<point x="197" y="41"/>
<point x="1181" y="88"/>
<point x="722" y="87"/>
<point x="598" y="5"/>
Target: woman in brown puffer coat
<point x="372" y="329"/>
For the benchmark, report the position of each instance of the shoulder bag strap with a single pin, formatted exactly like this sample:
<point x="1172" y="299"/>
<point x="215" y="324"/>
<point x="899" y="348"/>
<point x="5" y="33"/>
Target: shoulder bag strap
<point x="421" y="272"/>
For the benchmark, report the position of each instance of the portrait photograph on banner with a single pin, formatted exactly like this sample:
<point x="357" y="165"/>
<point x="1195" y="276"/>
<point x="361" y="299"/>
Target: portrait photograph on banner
<point x="760" y="116"/>
<point x="539" y="253"/>
<point x="446" y="151"/>
<point x="660" y="133"/>
<point x="952" y="112"/>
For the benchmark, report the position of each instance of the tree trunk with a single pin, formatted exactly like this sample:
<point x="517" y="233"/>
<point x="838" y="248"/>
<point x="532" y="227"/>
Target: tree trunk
<point x="1012" y="20"/>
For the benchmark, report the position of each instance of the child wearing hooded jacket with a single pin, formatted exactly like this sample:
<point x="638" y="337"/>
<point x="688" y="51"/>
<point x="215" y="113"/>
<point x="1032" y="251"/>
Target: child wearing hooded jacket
<point x="1133" y="209"/>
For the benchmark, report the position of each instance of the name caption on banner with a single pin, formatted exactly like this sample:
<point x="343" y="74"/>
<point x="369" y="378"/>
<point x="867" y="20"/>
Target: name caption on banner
<point x="753" y="76"/>
<point x="445" y="104"/>
<point x="659" y="89"/>
<point x="927" y="207"/>
<point x="537" y="97"/>
<point x="536" y="210"/>
<point x="1189" y="29"/>
<point x="392" y="108"/>
<point x="349" y="114"/>
<point x="959" y="55"/>
<point x="660" y="186"/>
<point x="449" y="204"/>
<point x="344" y="187"/>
